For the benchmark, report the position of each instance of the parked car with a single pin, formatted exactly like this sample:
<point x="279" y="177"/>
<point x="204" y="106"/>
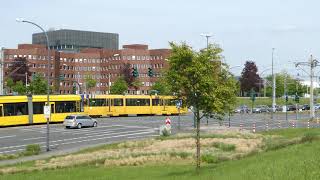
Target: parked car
<point x="260" y="109"/>
<point x="316" y="106"/>
<point x="242" y="109"/>
<point x="305" y="107"/>
<point x="291" y="108"/>
<point x="79" y="121"/>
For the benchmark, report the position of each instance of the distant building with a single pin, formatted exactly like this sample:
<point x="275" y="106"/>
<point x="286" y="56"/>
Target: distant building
<point x="75" y="40"/>
<point x="100" y="64"/>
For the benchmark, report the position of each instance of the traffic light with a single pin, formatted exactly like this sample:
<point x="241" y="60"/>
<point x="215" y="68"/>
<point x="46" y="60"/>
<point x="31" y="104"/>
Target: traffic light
<point x="74" y="89"/>
<point x="150" y="72"/>
<point x="135" y="72"/>
<point x="287" y="98"/>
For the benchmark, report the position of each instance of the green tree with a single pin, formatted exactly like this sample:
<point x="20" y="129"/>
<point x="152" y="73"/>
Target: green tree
<point x="201" y="83"/>
<point x="119" y="87"/>
<point x="136" y="84"/>
<point x="90" y="83"/>
<point x="20" y="88"/>
<point x="293" y="85"/>
<point x="162" y="87"/>
<point x="38" y="85"/>
<point x="9" y="84"/>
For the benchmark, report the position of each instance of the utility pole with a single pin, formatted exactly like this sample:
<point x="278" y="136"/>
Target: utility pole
<point x="1" y="70"/>
<point x="312" y="63"/>
<point x="273" y="90"/>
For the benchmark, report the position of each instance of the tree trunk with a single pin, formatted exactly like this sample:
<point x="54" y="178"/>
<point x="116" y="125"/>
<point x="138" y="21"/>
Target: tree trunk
<point x="198" y="140"/>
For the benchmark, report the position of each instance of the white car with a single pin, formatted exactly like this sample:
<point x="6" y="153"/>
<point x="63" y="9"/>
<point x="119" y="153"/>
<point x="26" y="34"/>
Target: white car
<point x="79" y="121"/>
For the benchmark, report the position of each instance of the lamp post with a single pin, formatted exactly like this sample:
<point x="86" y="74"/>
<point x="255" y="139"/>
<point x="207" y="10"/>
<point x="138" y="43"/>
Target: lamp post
<point x="48" y="76"/>
<point x="207" y="36"/>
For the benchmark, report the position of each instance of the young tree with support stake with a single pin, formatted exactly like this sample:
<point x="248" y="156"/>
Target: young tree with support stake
<point x="202" y="82"/>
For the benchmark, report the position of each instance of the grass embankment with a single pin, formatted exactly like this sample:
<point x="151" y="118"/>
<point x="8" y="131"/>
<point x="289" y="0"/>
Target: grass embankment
<point x="268" y="101"/>
<point x="263" y="161"/>
<point x="31" y="149"/>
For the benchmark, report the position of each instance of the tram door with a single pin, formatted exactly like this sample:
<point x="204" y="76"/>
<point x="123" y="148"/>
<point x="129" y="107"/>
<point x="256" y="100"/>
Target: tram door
<point x="1" y="110"/>
<point x="109" y="106"/>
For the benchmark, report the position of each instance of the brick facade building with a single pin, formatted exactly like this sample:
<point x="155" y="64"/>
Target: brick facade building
<point x="100" y="64"/>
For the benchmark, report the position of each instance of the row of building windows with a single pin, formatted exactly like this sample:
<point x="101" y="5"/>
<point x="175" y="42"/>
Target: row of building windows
<point x="30" y="57"/>
<point x="83" y="60"/>
<point x="132" y="57"/>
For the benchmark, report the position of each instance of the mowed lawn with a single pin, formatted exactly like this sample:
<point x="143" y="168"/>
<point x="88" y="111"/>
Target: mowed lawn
<point x="301" y="161"/>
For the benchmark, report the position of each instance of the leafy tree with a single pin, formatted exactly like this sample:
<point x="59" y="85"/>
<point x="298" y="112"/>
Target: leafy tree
<point x="162" y="87"/>
<point x="293" y="85"/>
<point x="202" y="84"/>
<point x="119" y="87"/>
<point x="90" y="83"/>
<point x="9" y="84"/>
<point x="136" y="84"/>
<point x="18" y="69"/>
<point x="250" y="79"/>
<point x="127" y="74"/>
<point x="20" y="88"/>
<point x="38" y="85"/>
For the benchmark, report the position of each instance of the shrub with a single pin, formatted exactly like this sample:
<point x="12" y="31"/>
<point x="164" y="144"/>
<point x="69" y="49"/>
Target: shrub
<point x="309" y="137"/>
<point x="166" y="131"/>
<point x="208" y="158"/>
<point x="32" y="149"/>
<point x="224" y="147"/>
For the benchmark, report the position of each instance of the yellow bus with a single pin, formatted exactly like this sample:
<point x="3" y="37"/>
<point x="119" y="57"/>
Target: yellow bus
<point x="19" y="110"/>
<point x="118" y="105"/>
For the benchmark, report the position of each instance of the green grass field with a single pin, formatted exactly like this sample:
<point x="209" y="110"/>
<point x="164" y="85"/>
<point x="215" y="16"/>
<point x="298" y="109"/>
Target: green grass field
<point x="300" y="161"/>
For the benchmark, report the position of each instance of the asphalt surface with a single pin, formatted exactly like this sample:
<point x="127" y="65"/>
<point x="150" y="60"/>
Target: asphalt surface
<point x="115" y="129"/>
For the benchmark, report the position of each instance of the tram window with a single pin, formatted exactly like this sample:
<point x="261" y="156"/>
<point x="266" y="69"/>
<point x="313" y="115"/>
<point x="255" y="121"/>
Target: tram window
<point x="171" y="102"/>
<point x="98" y="102"/>
<point x="13" y="109"/>
<point x="138" y="102"/>
<point x="64" y="107"/>
<point x="38" y="107"/>
<point x="155" y="102"/>
<point x="0" y="110"/>
<point x="118" y="102"/>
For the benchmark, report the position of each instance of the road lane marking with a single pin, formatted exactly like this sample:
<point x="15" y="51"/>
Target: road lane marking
<point x="72" y="142"/>
<point x="70" y="139"/>
<point x="33" y="138"/>
<point x="1" y="137"/>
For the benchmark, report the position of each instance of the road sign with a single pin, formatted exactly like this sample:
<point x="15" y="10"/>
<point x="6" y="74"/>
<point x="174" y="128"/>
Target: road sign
<point x="46" y="111"/>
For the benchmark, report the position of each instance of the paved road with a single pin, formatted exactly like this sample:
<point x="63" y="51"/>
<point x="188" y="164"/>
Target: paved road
<point x="115" y="129"/>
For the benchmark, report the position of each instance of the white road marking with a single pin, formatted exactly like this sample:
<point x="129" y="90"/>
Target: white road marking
<point x="33" y="138"/>
<point x="1" y="137"/>
<point x="71" y="139"/>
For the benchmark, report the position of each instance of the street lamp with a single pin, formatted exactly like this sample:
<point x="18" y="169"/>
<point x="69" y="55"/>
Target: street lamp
<point x="48" y="76"/>
<point x="207" y="35"/>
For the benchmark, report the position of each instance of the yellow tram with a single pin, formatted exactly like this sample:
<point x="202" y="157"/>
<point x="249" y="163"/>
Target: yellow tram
<point x="23" y="110"/>
<point x="118" y="105"/>
<point x="18" y="110"/>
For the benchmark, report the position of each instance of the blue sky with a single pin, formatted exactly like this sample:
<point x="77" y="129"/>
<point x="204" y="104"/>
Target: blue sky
<point x="246" y="30"/>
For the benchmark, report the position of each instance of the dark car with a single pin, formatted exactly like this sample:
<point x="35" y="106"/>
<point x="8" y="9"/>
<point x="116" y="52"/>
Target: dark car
<point x="242" y="109"/>
<point x="260" y="109"/>
<point x="305" y="107"/>
<point x="291" y="108"/>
